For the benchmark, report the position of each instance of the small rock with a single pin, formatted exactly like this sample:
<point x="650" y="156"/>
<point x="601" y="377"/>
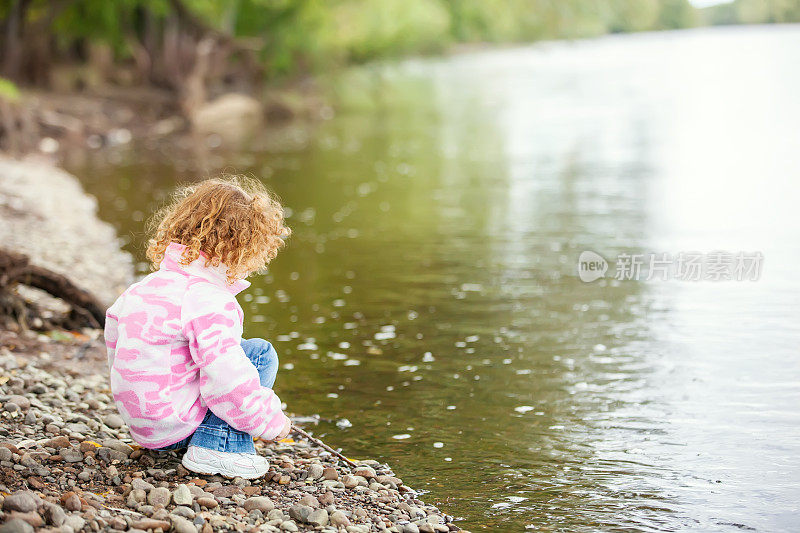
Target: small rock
<point x="71" y="455"/>
<point x="135" y="497"/>
<point x="87" y="446"/>
<point x="5" y="454"/>
<point x="149" y="523"/>
<point x="78" y="427"/>
<point x="54" y="514"/>
<point x="30" y="418"/>
<point x="118" y="445"/>
<point x="314" y="471"/>
<point x="227" y="491"/>
<point x="285" y="526"/>
<point x="159" y="496"/>
<point x="21" y="401"/>
<point x="139" y="483"/>
<point x="207" y="502"/>
<point x="184" y="512"/>
<point x="71" y="501"/>
<point x="181" y="525"/>
<point x="38" y="388"/>
<point x="330" y="473"/>
<point x="364" y="471"/>
<point x="309" y="500"/>
<point x="318" y="518"/>
<point x="113" y="421"/>
<point x="16" y="525"/>
<point x="32" y="518"/>
<point x="410" y="528"/>
<point x="349" y="481"/>
<point x="57" y="442"/>
<point x="300" y="512"/>
<point x="338" y="519"/>
<point x="326" y="498"/>
<point x="262" y="503"/>
<point x="182" y="495"/>
<point x="74" y="521"/>
<point x="11" y="407"/>
<point x="22" y="501"/>
<point x="329" y="484"/>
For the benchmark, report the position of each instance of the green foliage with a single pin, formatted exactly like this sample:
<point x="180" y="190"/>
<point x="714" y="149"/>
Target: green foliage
<point x="303" y="35"/>
<point x="8" y="90"/>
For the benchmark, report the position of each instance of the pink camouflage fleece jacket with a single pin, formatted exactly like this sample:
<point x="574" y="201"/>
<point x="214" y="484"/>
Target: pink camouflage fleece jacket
<point x="174" y="349"/>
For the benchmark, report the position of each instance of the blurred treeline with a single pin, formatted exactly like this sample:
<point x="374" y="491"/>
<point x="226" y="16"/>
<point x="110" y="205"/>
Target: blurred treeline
<point x="752" y="12"/>
<point x="285" y="37"/>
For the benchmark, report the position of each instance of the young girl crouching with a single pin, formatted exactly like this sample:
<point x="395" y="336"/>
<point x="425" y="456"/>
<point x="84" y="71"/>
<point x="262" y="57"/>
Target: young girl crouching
<point x="181" y="375"/>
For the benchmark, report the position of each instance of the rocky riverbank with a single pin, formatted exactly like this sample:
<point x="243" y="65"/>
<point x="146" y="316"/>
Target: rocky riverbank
<point x="67" y="461"/>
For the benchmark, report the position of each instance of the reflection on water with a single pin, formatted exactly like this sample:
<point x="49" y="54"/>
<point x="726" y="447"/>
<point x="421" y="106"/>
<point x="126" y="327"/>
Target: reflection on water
<point x="429" y="295"/>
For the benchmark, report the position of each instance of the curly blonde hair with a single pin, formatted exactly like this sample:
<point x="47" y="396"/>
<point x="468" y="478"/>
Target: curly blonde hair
<point x="231" y="220"/>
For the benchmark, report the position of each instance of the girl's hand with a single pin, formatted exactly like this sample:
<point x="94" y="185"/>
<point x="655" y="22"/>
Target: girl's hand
<point x="287" y="428"/>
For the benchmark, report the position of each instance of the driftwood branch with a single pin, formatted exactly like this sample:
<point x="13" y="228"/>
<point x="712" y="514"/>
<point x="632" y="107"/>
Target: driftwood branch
<point x="323" y="445"/>
<point x="16" y="269"/>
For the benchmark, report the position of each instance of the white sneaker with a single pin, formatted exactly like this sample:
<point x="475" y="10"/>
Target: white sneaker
<point x="227" y="464"/>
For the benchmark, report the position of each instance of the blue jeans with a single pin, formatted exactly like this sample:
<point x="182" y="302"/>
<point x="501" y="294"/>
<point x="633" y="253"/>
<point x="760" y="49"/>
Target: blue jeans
<point x="214" y="433"/>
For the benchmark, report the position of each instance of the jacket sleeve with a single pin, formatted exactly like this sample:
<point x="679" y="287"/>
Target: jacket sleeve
<point x="111" y="332"/>
<point x="229" y="382"/>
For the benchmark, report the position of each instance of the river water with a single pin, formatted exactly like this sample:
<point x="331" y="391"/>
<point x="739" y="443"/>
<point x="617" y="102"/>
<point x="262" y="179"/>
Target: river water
<point x="429" y="301"/>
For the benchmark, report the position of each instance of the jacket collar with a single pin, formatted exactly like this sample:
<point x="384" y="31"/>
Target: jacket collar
<point x="218" y="275"/>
